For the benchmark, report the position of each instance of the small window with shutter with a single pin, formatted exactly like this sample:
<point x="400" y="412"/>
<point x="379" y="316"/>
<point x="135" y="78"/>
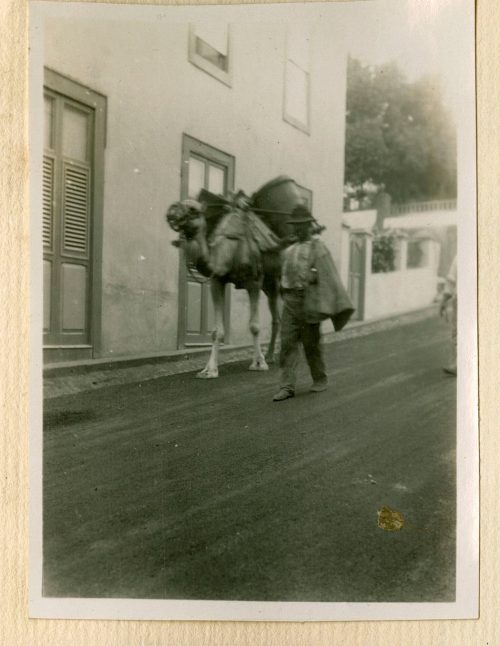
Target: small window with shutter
<point x="209" y="49"/>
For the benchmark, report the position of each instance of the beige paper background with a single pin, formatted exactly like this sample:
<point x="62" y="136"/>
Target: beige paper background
<point x="15" y="627"/>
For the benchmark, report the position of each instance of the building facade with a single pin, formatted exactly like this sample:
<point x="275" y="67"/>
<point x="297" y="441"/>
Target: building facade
<point x="141" y="114"/>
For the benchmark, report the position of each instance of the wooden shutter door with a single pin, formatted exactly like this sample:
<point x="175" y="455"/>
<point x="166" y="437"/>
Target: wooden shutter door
<point x="67" y="221"/>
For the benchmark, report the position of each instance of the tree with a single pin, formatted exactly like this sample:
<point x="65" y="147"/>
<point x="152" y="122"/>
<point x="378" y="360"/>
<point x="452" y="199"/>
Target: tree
<point x="399" y="135"/>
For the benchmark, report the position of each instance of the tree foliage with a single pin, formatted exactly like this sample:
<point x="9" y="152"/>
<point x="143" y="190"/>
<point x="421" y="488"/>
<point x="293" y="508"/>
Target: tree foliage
<point x="399" y="135"/>
<point x="383" y="253"/>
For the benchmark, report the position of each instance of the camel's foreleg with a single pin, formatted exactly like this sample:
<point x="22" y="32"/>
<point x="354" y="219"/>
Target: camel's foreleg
<point x="211" y="370"/>
<point x="258" y="362"/>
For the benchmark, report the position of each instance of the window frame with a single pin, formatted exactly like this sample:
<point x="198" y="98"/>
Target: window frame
<point x="294" y="121"/>
<point x="199" y="61"/>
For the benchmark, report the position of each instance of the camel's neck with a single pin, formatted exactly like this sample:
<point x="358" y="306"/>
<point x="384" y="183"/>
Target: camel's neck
<point x="195" y="247"/>
<point x="201" y="239"/>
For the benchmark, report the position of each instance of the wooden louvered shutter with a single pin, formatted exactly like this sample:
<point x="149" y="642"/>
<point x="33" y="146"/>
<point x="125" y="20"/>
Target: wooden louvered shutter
<point x="71" y="218"/>
<point x="67" y="221"/>
<point x="49" y="214"/>
<point x="48" y="202"/>
<point x="76" y="200"/>
<point x="74" y="244"/>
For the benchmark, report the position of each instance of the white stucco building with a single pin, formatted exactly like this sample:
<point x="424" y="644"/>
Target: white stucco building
<point x="139" y="114"/>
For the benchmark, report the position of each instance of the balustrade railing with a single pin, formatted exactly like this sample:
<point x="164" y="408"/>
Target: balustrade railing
<point x="422" y="207"/>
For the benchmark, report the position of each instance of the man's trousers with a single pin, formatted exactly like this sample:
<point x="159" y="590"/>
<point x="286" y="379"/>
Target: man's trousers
<point x="295" y="330"/>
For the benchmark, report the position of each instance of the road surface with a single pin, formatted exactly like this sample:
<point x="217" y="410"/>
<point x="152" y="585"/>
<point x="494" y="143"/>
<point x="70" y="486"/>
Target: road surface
<point x="190" y="489"/>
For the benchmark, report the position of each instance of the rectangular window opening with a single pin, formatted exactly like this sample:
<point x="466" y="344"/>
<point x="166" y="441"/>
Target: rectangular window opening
<point x="417" y="254"/>
<point x="209" y="49"/>
<point x="210" y="54"/>
<point x="296" y="108"/>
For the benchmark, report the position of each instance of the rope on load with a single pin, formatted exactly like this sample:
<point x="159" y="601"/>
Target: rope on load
<point x="180" y="215"/>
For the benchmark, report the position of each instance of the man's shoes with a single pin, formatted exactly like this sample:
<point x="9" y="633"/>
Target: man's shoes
<point x="450" y="370"/>
<point x="318" y="387"/>
<point x="283" y="394"/>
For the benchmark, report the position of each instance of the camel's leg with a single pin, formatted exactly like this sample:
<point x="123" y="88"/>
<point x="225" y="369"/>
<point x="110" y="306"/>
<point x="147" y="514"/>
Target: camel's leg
<point x="211" y="370"/>
<point x="273" y="302"/>
<point x="258" y="362"/>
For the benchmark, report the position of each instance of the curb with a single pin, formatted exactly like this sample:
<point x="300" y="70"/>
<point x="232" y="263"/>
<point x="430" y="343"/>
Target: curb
<point x="76" y="377"/>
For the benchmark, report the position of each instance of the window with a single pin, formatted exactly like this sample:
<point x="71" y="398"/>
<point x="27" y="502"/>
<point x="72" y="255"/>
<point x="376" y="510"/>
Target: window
<point x="209" y="49"/>
<point x="384" y="253"/>
<point x="297" y="78"/>
<point x="205" y="173"/>
<point x="418" y="254"/>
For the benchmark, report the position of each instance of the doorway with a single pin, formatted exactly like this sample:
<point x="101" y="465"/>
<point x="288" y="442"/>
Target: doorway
<point x="202" y="167"/>
<point x="72" y="198"/>
<point x="357" y="270"/>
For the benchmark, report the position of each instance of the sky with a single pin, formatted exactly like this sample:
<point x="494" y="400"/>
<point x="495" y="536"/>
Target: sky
<point x="423" y="36"/>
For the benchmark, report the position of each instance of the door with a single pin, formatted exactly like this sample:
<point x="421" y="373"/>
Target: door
<point x="69" y="178"/>
<point x="357" y="265"/>
<point x="203" y="167"/>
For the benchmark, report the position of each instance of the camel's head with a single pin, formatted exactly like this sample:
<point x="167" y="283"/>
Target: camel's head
<point x="187" y="217"/>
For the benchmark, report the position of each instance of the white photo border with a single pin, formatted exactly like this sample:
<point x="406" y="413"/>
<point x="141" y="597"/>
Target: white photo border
<point x="467" y="554"/>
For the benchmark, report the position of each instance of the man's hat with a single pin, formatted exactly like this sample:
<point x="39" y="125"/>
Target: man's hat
<point x="300" y="215"/>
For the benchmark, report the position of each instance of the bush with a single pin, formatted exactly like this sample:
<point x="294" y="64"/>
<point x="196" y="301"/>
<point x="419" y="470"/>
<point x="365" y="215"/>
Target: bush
<point x="383" y="254"/>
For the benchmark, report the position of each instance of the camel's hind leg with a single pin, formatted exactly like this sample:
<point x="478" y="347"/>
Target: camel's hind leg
<point x="211" y="370"/>
<point x="258" y="362"/>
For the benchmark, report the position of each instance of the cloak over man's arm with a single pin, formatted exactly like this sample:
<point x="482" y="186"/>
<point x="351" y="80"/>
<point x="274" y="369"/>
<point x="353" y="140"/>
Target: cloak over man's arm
<point x="333" y="300"/>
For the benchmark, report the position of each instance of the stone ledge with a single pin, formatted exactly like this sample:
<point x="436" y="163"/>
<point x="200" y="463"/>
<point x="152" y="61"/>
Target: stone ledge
<point x="121" y="361"/>
<point x="73" y="377"/>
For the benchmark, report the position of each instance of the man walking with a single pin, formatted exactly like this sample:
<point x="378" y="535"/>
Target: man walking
<point x="312" y="291"/>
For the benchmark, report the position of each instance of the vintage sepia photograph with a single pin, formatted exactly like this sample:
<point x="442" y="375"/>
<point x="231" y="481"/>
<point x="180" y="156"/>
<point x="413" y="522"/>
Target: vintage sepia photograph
<point x="253" y="311"/>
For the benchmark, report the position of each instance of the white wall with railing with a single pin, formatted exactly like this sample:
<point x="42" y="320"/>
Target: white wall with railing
<point x="425" y="242"/>
<point x="411" y="285"/>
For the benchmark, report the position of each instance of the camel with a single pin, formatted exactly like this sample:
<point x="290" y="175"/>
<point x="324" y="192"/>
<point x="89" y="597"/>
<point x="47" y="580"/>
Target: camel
<point x="228" y="243"/>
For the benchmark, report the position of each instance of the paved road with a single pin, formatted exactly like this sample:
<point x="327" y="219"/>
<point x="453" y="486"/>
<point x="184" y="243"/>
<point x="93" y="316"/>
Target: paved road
<point x="182" y="488"/>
